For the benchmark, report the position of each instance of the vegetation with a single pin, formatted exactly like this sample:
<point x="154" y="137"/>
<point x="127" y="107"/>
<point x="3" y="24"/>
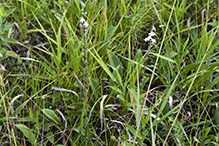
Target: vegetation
<point x="118" y="72"/>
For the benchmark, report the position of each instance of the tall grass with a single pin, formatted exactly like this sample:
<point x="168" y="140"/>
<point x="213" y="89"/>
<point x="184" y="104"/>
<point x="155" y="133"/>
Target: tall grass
<point x="97" y="81"/>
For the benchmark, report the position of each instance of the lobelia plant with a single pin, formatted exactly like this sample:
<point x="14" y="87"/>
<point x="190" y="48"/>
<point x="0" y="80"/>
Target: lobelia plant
<point x="84" y="25"/>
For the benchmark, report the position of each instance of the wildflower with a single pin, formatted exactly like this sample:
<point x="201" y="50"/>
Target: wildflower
<point x="153" y="28"/>
<point x="150" y="35"/>
<point x="153" y="41"/>
<point x="82" y="20"/>
<point x="84" y="13"/>
<point x="82" y="3"/>
<point x="147" y="39"/>
<point x="84" y="24"/>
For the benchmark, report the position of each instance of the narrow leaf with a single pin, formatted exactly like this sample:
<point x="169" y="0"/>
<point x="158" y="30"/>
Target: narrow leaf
<point x="27" y="132"/>
<point x="51" y="115"/>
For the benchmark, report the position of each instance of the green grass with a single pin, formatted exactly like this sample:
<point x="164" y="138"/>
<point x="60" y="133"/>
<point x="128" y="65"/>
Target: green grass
<point x="66" y="83"/>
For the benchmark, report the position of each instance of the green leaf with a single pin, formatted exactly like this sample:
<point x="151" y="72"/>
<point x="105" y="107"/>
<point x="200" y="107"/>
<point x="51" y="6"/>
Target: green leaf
<point x="38" y="125"/>
<point x="103" y="65"/>
<point x="2" y="12"/>
<point x="172" y="54"/>
<point x="5" y="118"/>
<point x="9" y="26"/>
<point x="165" y="99"/>
<point x="133" y="131"/>
<point x="116" y="89"/>
<point x="117" y="75"/>
<point x="159" y="120"/>
<point x="110" y="31"/>
<point x="8" y="12"/>
<point x="25" y="119"/>
<point x="114" y="60"/>
<point x="76" y="104"/>
<point x="205" y="133"/>
<point x="50" y="137"/>
<point x="164" y="57"/>
<point x="48" y="68"/>
<point x="3" y="38"/>
<point x="11" y="54"/>
<point x="11" y="40"/>
<point x="51" y="115"/>
<point x="75" y="113"/>
<point x="94" y="87"/>
<point x="203" y="77"/>
<point x="214" y="82"/>
<point x="27" y="132"/>
<point x="121" y="98"/>
<point x="73" y="61"/>
<point x="217" y="116"/>
<point x="2" y="28"/>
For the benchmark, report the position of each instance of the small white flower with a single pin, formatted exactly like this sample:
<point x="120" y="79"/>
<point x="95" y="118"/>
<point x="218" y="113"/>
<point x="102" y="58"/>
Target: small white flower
<point x="147" y="39"/>
<point x="1" y="55"/>
<point x="84" y="13"/>
<point x="86" y="24"/>
<point x="83" y="5"/>
<point x="153" y="41"/>
<point x="82" y="20"/>
<point x="153" y="28"/>
<point x="152" y="34"/>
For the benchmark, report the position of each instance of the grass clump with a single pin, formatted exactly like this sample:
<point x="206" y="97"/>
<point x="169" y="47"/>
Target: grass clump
<point x="109" y="72"/>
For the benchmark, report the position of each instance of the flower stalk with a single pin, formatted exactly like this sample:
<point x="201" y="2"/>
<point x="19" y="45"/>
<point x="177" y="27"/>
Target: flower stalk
<point x="84" y="25"/>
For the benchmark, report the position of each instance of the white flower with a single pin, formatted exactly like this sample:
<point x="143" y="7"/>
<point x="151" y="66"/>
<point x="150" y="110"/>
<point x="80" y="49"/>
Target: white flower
<point x="152" y="34"/>
<point x="83" y="5"/>
<point x="86" y="24"/>
<point x="82" y="20"/>
<point x="147" y="39"/>
<point x="84" y="13"/>
<point x="153" y="28"/>
<point x="153" y="41"/>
